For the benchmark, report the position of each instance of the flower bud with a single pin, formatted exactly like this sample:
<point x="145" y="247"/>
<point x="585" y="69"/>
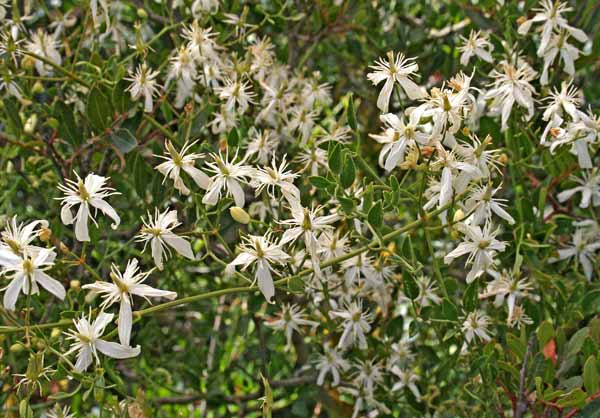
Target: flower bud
<point x="16" y="348"/>
<point x="63" y="248"/>
<point x="142" y="14"/>
<point x="459" y="215"/>
<point x="30" y="125"/>
<point x="27" y="62"/>
<point x="38" y="87"/>
<point x="503" y="158"/>
<point x="45" y="234"/>
<point x="239" y="215"/>
<point x="75" y="284"/>
<point x="55" y="333"/>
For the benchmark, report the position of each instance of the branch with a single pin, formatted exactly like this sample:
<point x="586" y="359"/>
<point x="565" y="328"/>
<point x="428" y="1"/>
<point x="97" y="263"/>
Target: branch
<point x="521" y="406"/>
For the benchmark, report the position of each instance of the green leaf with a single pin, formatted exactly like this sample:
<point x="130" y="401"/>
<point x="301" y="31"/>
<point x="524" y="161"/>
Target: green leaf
<point x="320" y="182"/>
<point x="591" y="378"/>
<point x="121" y="100"/>
<point x="516" y="345"/>
<point x="449" y="310"/>
<point x="470" y="297"/>
<point x="346" y="203"/>
<point x="591" y="410"/>
<point x="545" y="332"/>
<point x="576" y="342"/>
<point x="575" y="398"/>
<point x="233" y="139"/>
<point x="351" y="114"/>
<point x="11" y="111"/>
<point x="375" y="216"/>
<point x="411" y="289"/>
<point x="348" y="173"/>
<point x="98" y="110"/>
<point x="123" y="140"/>
<point x="67" y="129"/>
<point x="25" y="410"/>
<point x="334" y="157"/>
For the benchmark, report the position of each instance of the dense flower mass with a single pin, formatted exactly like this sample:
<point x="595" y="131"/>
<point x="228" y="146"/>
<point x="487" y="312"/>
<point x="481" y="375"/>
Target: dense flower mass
<point x="328" y="209"/>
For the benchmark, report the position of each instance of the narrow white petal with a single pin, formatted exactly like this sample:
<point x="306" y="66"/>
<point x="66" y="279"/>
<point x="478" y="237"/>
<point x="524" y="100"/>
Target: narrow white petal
<point x="116" y="350"/>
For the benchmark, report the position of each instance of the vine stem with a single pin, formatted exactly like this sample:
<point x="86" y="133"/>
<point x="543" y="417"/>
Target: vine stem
<point x="243" y="289"/>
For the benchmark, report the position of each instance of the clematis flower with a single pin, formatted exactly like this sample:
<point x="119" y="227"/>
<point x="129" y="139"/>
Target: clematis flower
<point x="90" y="192"/>
<point x="262" y="251"/>
<point x="477" y="44"/>
<point x="551" y="15"/>
<point x="398" y="137"/>
<point x="567" y="53"/>
<point x="331" y="362"/>
<point x="158" y="230"/>
<point x="229" y="176"/>
<point x="269" y="178"/>
<point x="17" y="237"/>
<point x="237" y="95"/>
<point x="291" y="318"/>
<point x="589" y="187"/>
<point x="176" y="161"/>
<point x="408" y="380"/>
<point x="399" y="69"/>
<point x="124" y="286"/>
<point x="87" y="342"/>
<point x="356" y="324"/>
<point x="28" y="271"/>
<point x="481" y="245"/>
<point x="475" y="326"/>
<point x="44" y="45"/>
<point x="306" y="223"/>
<point x="583" y="249"/>
<point x="512" y="84"/>
<point x="143" y="83"/>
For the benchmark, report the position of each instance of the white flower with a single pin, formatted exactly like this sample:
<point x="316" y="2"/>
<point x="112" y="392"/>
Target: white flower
<point x="262" y="251"/>
<point x="44" y="45"/>
<point x="312" y="159"/>
<point x="158" y="230"/>
<point x="175" y="161"/>
<point x="303" y="120"/>
<point x="201" y="42"/>
<point x="227" y="175"/>
<point x="122" y="289"/>
<point x="306" y="223"/>
<point x="398" y="137"/>
<point x="356" y="324"/>
<point x="236" y="93"/>
<point x="90" y="192"/>
<point x="583" y="249"/>
<point x="291" y="318"/>
<point x="481" y="245"/>
<point x="369" y="375"/>
<point x="408" y="379"/>
<point x="17" y="237"/>
<point x="589" y="187"/>
<point x="519" y="318"/>
<point x="263" y="144"/>
<point x="427" y="289"/>
<point x="476" y="325"/>
<point x="331" y="362"/>
<point x="559" y="46"/>
<point x="26" y="272"/>
<point x="482" y="203"/>
<point x="551" y="14"/>
<point x="476" y="45"/>
<point x="566" y="100"/>
<point x="269" y="178"/>
<point x="87" y="342"/>
<point x="57" y="412"/>
<point x="398" y="69"/>
<point x="512" y="84"/>
<point x="509" y="287"/>
<point x="183" y="70"/>
<point x="143" y="83"/>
